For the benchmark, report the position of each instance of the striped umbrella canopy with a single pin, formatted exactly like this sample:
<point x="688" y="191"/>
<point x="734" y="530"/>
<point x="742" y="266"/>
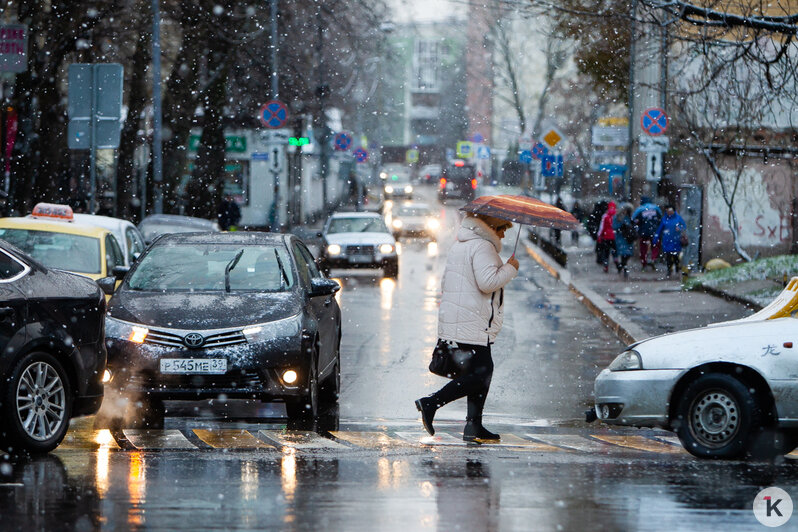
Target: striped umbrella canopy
<point x="523" y="210"/>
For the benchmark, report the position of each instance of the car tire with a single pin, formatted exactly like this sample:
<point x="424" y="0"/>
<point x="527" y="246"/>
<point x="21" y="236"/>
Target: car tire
<point x="331" y="388"/>
<point x="46" y="420"/>
<point x="718" y="417"/>
<point x="391" y="269"/>
<point x="306" y="406"/>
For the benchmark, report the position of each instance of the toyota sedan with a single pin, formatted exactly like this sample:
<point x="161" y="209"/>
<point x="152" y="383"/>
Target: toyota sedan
<point x="240" y="315"/>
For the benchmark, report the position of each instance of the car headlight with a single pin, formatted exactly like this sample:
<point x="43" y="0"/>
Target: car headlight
<point x="397" y="223"/>
<point x="263" y="332"/>
<point x="123" y="330"/>
<point x="389" y="189"/>
<point x="433" y="223"/>
<point x="627" y="361"/>
<point x="333" y="249"/>
<point x="386" y="249"/>
<point x="408" y="189"/>
<point x="383" y="175"/>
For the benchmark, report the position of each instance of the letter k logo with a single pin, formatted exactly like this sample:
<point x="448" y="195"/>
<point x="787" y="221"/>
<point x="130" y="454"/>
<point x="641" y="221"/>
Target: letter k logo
<point x="773" y="506"/>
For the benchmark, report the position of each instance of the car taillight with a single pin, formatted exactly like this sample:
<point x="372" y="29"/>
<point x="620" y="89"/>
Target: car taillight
<point x="474" y="184"/>
<point x="443" y="182"/>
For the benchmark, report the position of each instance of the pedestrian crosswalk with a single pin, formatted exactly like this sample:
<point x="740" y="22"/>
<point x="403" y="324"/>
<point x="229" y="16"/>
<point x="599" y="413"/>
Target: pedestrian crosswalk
<point x="276" y="439"/>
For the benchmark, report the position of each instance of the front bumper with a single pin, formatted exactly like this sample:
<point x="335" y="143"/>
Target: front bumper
<point x="254" y="370"/>
<point x="376" y="261"/>
<point x="637" y="398"/>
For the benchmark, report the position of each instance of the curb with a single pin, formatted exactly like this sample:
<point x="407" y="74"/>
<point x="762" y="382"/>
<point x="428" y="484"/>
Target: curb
<point x="624" y="329"/>
<point x="756" y="307"/>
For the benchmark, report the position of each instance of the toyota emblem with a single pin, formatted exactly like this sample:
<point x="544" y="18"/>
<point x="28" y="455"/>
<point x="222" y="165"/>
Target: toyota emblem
<point x="193" y="340"/>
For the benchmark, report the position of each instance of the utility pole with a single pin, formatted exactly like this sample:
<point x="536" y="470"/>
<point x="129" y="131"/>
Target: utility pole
<point x="273" y="42"/>
<point x="632" y="59"/>
<point x="157" y="140"/>
<point x="321" y="92"/>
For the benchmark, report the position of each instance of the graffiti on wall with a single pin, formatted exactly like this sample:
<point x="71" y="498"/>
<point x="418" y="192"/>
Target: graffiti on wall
<point x="762" y="205"/>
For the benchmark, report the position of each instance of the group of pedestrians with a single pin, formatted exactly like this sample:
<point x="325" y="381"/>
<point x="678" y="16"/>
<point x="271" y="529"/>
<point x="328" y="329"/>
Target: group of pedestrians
<point x="657" y="235"/>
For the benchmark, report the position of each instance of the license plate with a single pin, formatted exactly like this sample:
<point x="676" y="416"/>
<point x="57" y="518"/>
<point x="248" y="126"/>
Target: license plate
<point x="361" y="259"/>
<point x="200" y="366"/>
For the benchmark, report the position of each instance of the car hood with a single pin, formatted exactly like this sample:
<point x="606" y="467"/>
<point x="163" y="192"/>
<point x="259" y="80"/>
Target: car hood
<point x="753" y="343"/>
<point x="205" y="310"/>
<point x="344" y="239"/>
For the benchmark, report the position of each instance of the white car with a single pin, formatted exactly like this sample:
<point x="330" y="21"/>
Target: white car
<point x="358" y="240"/>
<point x="127" y="234"/>
<point x="414" y="219"/>
<point x="728" y="390"/>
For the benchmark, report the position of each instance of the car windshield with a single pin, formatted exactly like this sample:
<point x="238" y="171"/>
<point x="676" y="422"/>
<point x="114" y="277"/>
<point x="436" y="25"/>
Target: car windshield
<point x="153" y="230"/>
<point x="74" y="253"/>
<point x="414" y="211"/>
<point x="201" y="267"/>
<point x="357" y="225"/>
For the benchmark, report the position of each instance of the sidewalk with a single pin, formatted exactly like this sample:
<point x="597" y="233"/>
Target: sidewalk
<point x="643" y="305"/>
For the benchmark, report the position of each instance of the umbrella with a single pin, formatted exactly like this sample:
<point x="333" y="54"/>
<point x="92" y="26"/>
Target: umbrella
<point x="522" y="210"/>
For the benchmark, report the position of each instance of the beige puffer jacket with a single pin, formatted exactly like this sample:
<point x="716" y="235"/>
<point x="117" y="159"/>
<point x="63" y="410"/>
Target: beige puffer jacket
<point x="473" y="282"/>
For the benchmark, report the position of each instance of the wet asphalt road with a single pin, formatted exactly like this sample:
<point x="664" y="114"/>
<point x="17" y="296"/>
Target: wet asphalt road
<point x="369" y="466"/>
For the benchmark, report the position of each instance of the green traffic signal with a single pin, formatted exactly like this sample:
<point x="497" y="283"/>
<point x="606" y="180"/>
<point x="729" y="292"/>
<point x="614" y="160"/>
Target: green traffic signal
<point x="298" y="141"/>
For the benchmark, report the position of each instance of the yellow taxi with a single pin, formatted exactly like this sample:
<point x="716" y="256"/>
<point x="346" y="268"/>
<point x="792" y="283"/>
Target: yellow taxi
<point x="51" y="236"/>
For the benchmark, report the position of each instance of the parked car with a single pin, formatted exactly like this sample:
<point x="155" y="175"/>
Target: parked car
<point x="728" y="390"/>
<point x="414" y="219"/>
<point x="458" y="180"/>
<point x="156" y="225"/>
<point x="127" y="235"/>
<point x="52" y="354"/>
<point x="430" y="173"/>
<point x="242" y="314"/>
<point x="358" y="240"/>
<point x="51" y="235"/>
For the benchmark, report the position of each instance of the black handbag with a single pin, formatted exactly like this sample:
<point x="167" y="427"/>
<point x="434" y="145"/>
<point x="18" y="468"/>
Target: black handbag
<point x="448" y="360"/>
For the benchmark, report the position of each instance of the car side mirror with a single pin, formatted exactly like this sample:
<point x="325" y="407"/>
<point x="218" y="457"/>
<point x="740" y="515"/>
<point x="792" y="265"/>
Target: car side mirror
<point x="323" y="287"/>
<point x="107" y="285"/>
<point x="119" y="272"/>
<point x="319" y="234"/>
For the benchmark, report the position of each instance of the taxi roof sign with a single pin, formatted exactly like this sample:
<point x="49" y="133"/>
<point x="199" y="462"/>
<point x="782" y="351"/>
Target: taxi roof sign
<point x="53" y="210"/>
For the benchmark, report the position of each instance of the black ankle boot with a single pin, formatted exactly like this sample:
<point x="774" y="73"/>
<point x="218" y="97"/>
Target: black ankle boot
<point x="474" y="431"/>
<point x="427" y="406"/>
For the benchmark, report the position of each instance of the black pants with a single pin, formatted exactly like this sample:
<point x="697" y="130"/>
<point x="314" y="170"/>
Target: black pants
<point x="474" y="384"/>
<point x="672" y="261"/>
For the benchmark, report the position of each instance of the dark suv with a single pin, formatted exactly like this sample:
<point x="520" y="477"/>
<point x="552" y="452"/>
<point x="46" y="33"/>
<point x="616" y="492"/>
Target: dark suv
<point x="52" y="353"/>
<point x="458" y="180"/>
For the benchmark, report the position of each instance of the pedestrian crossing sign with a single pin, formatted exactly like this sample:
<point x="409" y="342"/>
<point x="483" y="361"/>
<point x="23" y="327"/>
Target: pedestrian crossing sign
<point x="465" y="149"/>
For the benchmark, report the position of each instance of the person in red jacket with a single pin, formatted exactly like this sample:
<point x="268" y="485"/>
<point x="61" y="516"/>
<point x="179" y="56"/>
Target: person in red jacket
<point x="605" y="238"/>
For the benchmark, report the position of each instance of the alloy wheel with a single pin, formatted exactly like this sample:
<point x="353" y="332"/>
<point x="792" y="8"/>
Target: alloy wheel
<point x="41" y="401"/>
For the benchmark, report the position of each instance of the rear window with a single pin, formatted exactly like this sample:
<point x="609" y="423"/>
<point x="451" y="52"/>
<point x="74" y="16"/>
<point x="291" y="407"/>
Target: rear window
<point x="74" y="253"/>
<point x="460" y="173"/>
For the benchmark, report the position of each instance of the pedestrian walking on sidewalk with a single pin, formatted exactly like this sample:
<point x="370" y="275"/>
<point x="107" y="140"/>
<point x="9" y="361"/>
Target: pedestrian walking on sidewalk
<point x="605" y="238"/>
<point x="471" y="314"/>
<point x="647" y="218"/>
<point x="671" y="233"/>
<point x="579" y="214"/>
<point x="625" y="236"/>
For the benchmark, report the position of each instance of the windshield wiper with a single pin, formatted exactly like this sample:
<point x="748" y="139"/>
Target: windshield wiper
<point x="368" y="225"/>
<point x="283" y="275"/>
<point x="229" y="268"/>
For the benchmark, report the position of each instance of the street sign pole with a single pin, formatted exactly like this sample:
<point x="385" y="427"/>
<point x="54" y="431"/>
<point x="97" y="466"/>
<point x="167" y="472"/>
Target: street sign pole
<point x="92" y="137"/>
<point x="157" y="162"/>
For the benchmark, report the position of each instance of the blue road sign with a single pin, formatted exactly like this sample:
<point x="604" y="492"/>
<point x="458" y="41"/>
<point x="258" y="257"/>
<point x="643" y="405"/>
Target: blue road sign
<point x="342" y="141"/>
<point x="551" y="166"/>
<point x="654" y="121"/>
<point x="539" y="150"/>
<point x="273" y="114"/>
<point x="483" y="152"/>
<point x="525" y="156"/>
<point x="360" y="155"/>
<point x="477" y="137"/>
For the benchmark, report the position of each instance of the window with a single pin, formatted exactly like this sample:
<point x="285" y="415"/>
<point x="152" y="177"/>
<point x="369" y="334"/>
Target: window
<point x="425" y="65"/>
<point x="360" y="224"/>
<point x="314" y="270"/>
<point x="74" y="253"/>
<point x="134" y="244"/>
<point x="302" y="265"/>
<point x="9" y="267"/>
<point x="201" y="267"/>
<point x="113" y="254"/>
